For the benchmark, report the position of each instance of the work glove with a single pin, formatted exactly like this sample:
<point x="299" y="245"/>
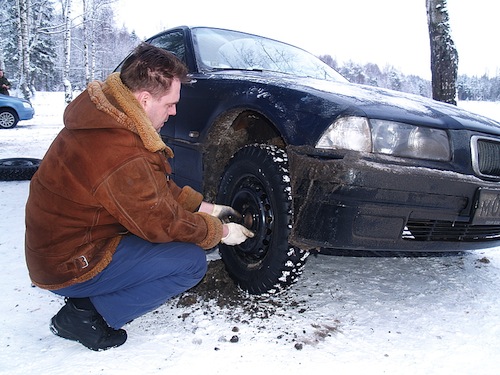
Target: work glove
<point x="237" y="234"/>
<point x="223" y="212"/>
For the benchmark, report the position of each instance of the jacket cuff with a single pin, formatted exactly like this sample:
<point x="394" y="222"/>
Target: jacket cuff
<point x="189" y="199"/>
<point x="214" y="231"/>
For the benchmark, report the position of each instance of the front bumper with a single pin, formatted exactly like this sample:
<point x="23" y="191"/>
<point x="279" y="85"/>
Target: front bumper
<point x="356" y="202"/>
<point x="26" y="113"/>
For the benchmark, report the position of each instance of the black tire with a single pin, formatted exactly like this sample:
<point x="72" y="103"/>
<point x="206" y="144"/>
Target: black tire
<point x="256" y="183"/>
<point x="17" y="169"/>
<point x="8" y="118"/>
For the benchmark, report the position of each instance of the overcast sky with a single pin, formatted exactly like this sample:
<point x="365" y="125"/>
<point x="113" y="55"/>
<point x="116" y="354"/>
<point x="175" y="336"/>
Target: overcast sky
<point x="390" y="32"/>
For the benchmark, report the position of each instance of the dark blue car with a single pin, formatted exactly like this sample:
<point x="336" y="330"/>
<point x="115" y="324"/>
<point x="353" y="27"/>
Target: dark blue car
<point x="315" y="163"/>
<point x="13" y="110"/>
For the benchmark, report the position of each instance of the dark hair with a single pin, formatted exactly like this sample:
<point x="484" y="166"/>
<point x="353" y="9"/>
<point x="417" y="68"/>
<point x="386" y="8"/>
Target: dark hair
<point x="152" y="69"/>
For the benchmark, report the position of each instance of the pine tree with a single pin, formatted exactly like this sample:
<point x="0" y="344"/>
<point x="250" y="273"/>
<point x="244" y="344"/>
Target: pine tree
<point x="29" y="60"/>
<point x="43" y="54"/>
<point x="9" y="36"/>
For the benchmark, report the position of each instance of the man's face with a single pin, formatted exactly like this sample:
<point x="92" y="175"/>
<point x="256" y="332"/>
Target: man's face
<point x="160" y="109"/>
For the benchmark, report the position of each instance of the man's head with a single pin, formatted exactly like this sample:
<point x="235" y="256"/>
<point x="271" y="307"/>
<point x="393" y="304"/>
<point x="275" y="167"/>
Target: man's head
<point x="151" y="69"/>
<point x="154" y="77"/>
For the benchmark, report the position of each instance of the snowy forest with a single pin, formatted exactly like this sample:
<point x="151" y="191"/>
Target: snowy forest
<point x="61" y="45"/>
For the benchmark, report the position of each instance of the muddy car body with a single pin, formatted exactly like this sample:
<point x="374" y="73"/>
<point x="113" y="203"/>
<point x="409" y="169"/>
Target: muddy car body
<point x="315" y="163"/>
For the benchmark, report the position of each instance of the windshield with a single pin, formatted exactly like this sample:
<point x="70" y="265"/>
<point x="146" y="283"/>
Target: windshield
<point x="218" y="49"/>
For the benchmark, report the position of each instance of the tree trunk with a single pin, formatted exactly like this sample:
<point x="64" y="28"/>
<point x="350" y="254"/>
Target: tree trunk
<point x="86" y="38"/>
<point x="23" y="45"/>
<point x="68" y="90"/>
<point x="444" y="56"/>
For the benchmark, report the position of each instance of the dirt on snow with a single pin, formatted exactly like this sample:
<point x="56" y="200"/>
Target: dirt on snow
<point x="218" y="294"/>
<point x="217" y="288"/>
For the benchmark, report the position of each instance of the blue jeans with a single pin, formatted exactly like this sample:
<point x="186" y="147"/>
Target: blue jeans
<point x="141" y="277"/>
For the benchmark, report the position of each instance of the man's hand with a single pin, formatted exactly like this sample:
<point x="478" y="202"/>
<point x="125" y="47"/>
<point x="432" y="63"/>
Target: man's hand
<point x="237" y="234"/>
<point x="223" y="212"/>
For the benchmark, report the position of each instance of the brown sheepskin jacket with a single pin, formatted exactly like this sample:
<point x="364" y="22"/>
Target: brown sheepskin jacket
<point x="105" y="175"/>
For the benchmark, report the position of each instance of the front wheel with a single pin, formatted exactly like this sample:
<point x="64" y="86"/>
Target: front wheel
<point x="8" y="118"/>
<point x="256" y="183"/>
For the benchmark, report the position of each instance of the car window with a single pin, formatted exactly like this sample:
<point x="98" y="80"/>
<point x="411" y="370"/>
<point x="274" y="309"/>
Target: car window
<point x="225" y="49"/>
<point x="173" y="42"/>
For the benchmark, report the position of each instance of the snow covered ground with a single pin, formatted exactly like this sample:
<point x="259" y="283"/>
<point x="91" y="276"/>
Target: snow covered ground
<point x="346" y="315"/>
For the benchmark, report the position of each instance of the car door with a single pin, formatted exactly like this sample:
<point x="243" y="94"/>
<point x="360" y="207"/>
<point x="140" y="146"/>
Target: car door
<point x="179" y="133"/>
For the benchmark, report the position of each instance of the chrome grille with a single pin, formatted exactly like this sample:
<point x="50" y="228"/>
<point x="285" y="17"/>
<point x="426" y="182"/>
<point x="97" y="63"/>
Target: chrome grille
<point x="486" y="156"/>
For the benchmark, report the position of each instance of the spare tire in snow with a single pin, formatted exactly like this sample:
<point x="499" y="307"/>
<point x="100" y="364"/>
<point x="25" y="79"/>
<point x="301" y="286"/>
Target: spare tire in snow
<point x="17" y="169"/>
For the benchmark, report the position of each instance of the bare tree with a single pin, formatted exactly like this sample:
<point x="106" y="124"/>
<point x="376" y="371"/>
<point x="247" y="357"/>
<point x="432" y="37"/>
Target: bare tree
<point x="444" y="56"/>
<point x="88" y="26"/>
<point x="66" y="11"/>
<point x="23" y="47"/>
<point x="92" y="16"/>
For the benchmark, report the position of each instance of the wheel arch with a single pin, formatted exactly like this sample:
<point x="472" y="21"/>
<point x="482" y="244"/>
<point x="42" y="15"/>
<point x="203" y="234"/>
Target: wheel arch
<point x="230" y="132"/>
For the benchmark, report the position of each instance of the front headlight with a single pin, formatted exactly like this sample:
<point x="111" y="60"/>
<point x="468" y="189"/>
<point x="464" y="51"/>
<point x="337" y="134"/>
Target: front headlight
<point x="27" y="105"/>
<point x="386" y="137"/>
<point x="347" y="133"/>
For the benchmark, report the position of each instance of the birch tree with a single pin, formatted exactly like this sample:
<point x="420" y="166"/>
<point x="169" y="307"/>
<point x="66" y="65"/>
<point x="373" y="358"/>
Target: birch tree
<point x="88" y="39"/>
<point x="92" y="17"/>
<point x="444" y="56"/>
<point x="66" y="12"/>
<point x="23" y="7"/>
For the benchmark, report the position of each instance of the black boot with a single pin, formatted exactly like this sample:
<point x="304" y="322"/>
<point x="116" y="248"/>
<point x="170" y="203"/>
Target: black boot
<point x="87" y="327"/>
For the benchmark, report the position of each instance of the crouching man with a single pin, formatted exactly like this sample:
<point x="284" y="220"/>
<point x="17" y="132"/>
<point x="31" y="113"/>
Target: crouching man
<point x="105" y="226"/>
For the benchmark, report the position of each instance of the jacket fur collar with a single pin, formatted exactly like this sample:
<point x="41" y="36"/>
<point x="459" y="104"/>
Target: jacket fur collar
<point x="113" y="98"/>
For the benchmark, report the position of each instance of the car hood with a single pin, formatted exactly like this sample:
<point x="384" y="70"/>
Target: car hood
<point x="11" y="99"/>
<point x="381" y="103"/>
<point x="372" y="102"/>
